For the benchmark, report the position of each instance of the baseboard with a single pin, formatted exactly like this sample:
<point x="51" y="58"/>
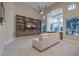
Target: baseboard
<point x="5" y="43"/>
<point x="1" y="50"/>
<point x="9" y="41"/>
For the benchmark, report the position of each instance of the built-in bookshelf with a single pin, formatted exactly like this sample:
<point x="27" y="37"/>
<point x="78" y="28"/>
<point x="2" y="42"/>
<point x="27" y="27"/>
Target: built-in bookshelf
<point x="20" y="23"/>
<point x="27" y="26"/>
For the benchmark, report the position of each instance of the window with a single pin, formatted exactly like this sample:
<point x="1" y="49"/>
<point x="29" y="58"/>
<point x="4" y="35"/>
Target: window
<point x="43" y="27"/>
<point x="55" y="22"/>
<point x="55" y="27"/>
<point x="58" y="23"/>
<point x="56" y="11"/>
<point x="71" y="6"/>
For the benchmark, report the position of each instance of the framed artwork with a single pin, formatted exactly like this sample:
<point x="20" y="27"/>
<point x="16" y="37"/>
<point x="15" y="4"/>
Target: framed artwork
<point x="72" y="26"/>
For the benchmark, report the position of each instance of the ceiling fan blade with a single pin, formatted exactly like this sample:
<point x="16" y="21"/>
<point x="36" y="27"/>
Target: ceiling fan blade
<point x="39" y="8"/>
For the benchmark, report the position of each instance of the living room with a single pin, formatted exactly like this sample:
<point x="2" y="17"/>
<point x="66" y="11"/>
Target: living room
<point x="42" y="29"/>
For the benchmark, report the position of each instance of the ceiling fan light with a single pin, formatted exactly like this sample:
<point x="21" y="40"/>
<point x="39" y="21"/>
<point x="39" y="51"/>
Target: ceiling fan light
<point x="41" y="13"/>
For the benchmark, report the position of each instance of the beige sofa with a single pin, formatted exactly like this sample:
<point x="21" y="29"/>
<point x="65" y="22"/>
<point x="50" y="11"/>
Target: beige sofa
<point x="45" y="40"/>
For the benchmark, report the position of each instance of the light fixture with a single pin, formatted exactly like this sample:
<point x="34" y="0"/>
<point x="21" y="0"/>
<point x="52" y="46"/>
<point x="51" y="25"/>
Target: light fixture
<point x="42" y="8"/>
<point x="41" y="12"/>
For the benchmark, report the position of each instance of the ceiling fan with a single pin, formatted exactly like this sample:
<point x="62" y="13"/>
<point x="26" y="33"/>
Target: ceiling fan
<point x="42" y="8"/>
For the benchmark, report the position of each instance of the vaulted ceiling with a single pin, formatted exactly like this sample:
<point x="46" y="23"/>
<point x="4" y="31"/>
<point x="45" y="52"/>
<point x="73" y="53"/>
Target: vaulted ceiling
<point x="34" y="4"/>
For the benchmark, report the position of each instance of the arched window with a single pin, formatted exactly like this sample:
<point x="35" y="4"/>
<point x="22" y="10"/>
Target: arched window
<point x="71" y="6"/>
<point x="56" y="20"/>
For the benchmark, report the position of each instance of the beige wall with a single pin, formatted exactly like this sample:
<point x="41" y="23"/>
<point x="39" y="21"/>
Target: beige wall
<point x="7" y="30"/>
<point x="25" y="10"/>
<point x="67" y="14"/>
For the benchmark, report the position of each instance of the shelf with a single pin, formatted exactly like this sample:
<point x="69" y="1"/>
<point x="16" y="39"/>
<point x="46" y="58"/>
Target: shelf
<point x="21" y="26"/>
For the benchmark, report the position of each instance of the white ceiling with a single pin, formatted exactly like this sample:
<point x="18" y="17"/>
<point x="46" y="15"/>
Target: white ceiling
<point x="34" y="4"/>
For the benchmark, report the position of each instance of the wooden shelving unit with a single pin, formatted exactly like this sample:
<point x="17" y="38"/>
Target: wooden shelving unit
<point x="27" y="26"/>
<point x="20" y="23"/>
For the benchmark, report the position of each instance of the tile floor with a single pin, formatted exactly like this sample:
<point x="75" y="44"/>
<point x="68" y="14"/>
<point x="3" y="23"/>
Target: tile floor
<point x="64" y="48"/>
